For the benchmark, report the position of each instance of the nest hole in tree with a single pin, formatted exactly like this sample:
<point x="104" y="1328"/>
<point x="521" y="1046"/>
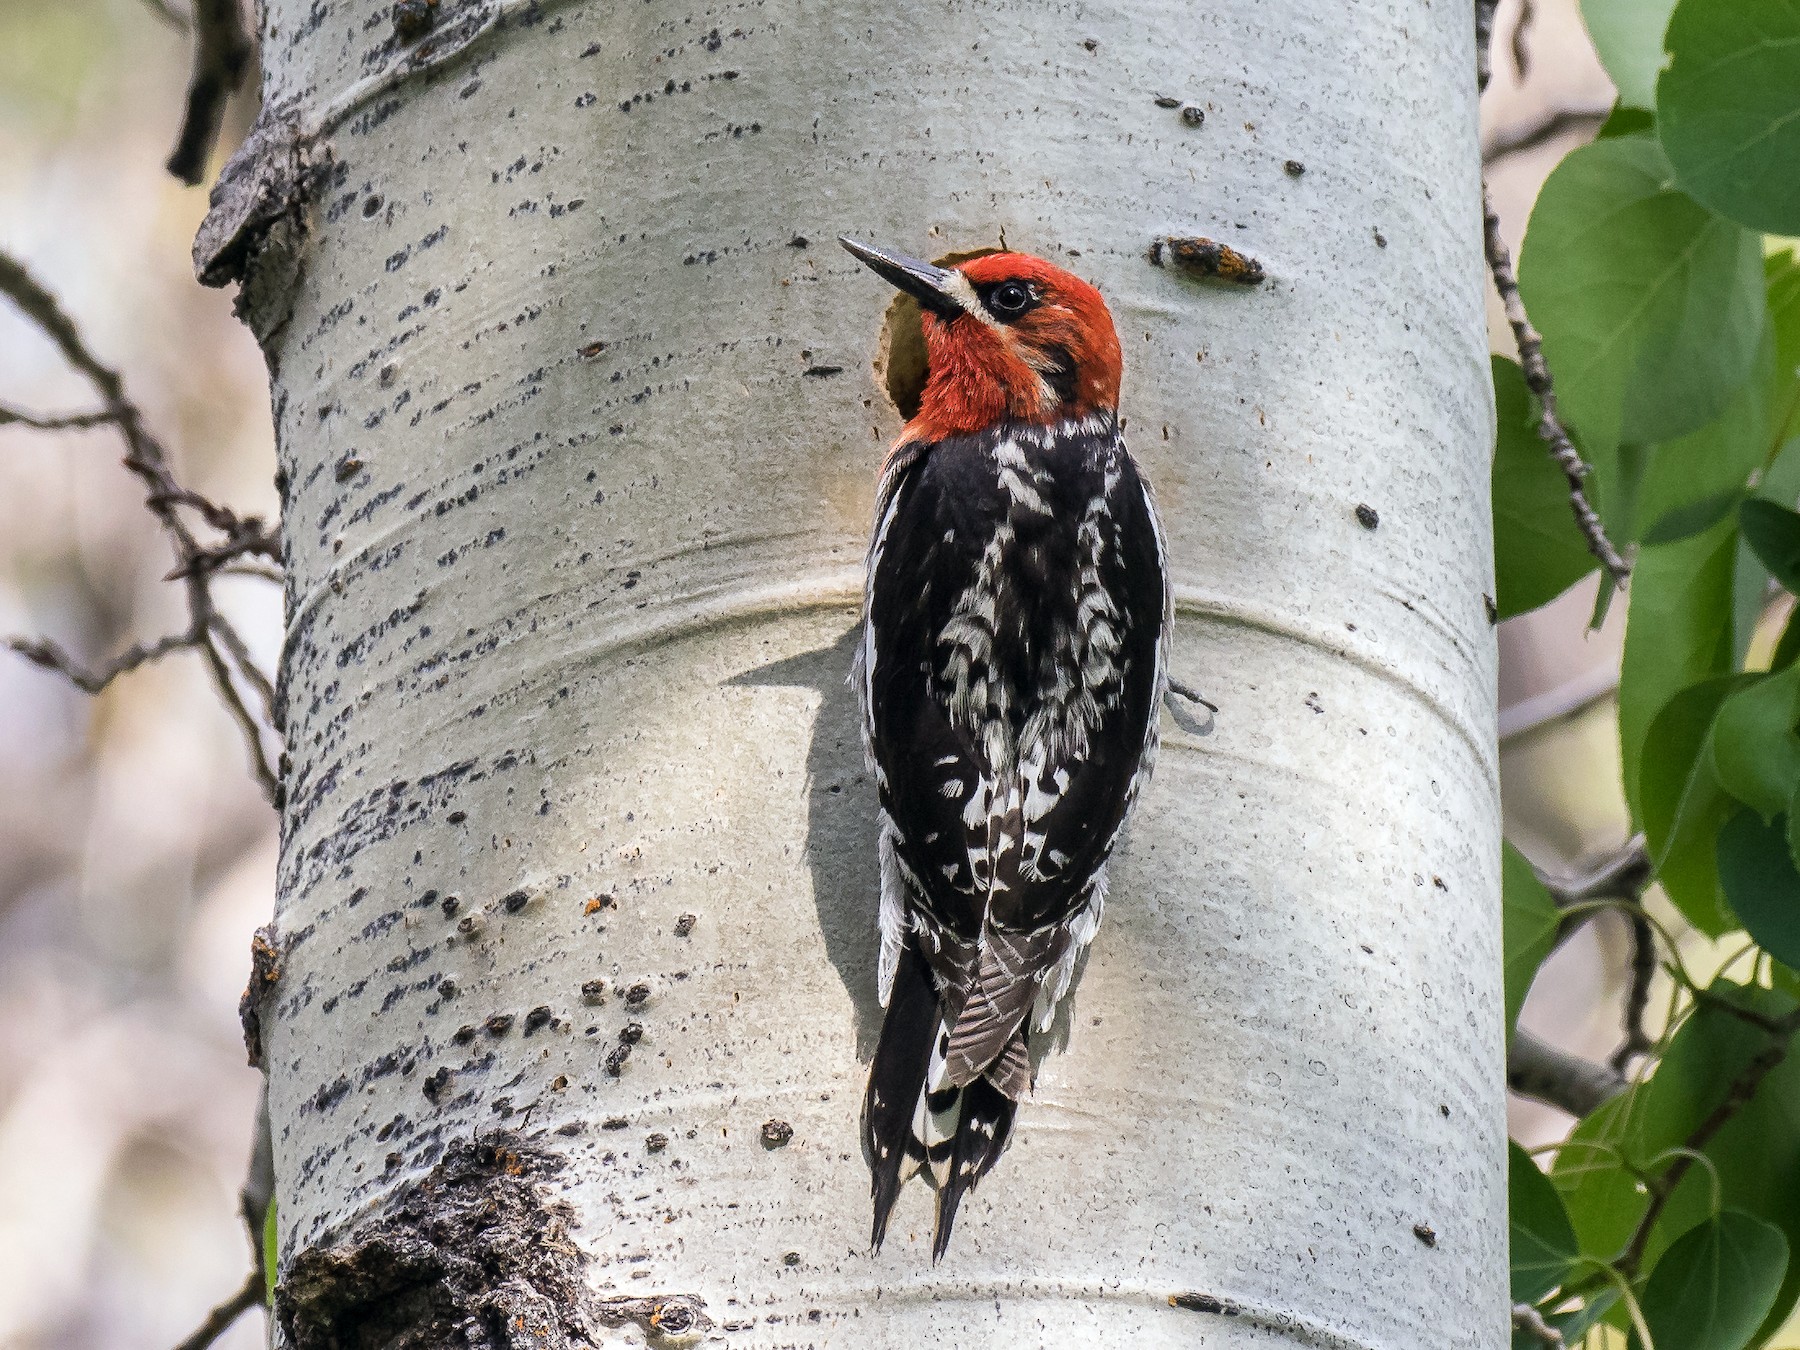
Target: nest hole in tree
<point x="900" y="353"/>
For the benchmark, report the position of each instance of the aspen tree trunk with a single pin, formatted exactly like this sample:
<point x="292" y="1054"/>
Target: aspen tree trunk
<point x="579" y="412"/>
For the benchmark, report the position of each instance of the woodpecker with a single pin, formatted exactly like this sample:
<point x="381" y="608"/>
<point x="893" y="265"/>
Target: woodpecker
<point x="1013" y="657"/>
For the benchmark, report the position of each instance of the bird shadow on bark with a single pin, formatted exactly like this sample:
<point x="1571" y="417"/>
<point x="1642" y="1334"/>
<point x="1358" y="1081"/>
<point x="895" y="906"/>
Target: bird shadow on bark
<point x="841" y="831"/>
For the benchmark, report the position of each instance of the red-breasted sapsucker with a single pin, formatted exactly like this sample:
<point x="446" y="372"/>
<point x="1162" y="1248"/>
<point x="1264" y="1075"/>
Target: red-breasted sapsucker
<point x="1014" y="654"/>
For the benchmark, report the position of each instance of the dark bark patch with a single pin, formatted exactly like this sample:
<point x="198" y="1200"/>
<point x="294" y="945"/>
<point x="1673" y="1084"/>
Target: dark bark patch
<point x="1208" y="259"/>
<point x="265" y="972"/>
<point x="478" y="1252"/>
<point x="1206" y="1303"/>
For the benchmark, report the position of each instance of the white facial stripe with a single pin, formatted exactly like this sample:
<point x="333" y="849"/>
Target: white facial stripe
<point x="962" y="290"/>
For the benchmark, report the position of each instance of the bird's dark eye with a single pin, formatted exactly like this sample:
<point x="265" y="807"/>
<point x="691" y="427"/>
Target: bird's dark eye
<point x="1010" y="299"/>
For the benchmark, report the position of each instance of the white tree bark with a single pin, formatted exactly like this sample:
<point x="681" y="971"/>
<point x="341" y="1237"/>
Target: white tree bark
<point x="579" y="420"/>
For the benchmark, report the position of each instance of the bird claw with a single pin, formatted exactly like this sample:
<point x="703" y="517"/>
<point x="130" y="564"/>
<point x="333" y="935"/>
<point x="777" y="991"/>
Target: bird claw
<point x="1184" y="719"/>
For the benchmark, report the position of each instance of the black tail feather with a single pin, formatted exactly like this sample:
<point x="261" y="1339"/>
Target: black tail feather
<point x="896" y="1078"/>
<point x="987" y="1117"/>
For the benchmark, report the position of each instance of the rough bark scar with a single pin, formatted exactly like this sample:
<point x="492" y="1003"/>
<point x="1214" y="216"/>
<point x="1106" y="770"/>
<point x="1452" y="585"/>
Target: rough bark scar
<point x="265" y="972"/>
<point x="476" y="1253"/>
<point x="263" y="183"/>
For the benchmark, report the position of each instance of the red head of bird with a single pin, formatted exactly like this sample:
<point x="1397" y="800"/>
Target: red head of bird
<point x="1008" y="337"/>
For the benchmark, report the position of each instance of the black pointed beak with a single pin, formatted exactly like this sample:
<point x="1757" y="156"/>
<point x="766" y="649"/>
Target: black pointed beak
<point x="936" y="288"/>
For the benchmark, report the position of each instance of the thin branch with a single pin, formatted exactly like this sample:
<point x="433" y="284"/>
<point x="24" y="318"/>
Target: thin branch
<point x="1637" y="998"/>
<point x="1517" y="140"/>
<point x="239" y="651"/>
<point x="1567" y="699"/>
<point x="1521" y="55"/>
<point x="219" y="1320"/>
<point x="260" y="768"/>
<point x="1537" y="1069"/>
<point x="1775" y="1026"/>
<point x="248" y="537"/>
<point x="56" y="422"/>
<point x="1529" y="1320"/>
<point x="1623" y="874"/>
<point x="221" y="55"/>
<point x="208" y="631"/>
<point x="1484" y="34"/>
<point x="261" y="571"/>
<point x="1537" y="378"/>
<point x="91" y="680"/>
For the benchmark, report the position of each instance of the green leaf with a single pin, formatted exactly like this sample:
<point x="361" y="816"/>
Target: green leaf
<point x="1624" y="121"/>
<point x="1677" y="632"/>
<point x="1749" y="597"/>
<point x="1756" y="754"/>
<point x="1782" y="976"/>
<point x="1783" y="276"/>
<point x="1694" y="517"/>
<point x="1789" y="646"/>
<point x="1575" y="1325"/>
<point x="1712" y="464"/>
<point x="1628" y="35"/>
<point x="1683" y="803"/>
<point x="1755" y="1154"/>
<point x="271" y="1245"/>
<point x="1714" y="1287"/>
<point x="1538" y="552"/>
<point x="1543" y="1242"/>
<point x="1758" y="874"/>
<point x="1774" y="532"/>
<point x="1530" y="920"/>
<point x="1652" y="308"/>
<point x="1726" y="106"/>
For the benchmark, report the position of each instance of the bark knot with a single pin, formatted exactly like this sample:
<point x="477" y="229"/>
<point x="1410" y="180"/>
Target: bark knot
<point x="476" y="1253"/>
<point x="265" y="973"/>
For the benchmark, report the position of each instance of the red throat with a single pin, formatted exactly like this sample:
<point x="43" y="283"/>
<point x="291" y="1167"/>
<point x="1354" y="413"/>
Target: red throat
<point x="1059" y="360"/>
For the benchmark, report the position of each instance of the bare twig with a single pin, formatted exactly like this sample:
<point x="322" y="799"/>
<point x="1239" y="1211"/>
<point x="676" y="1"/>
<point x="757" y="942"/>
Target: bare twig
<point x="1484" y="34"/>
<point x="91" y="680"/>
<point x="1521" y="55"/>
<point x="1537" y="378"/>
<point x="1637" y="998"/>
<point x="244" y="538"/>
<point x="53" y="422"/>
<point x="1568" y="699"/>
<point x="1529" y="1320"/>
<point x="1517" y="140"/>
<point x="239" y="652"/>
<point x="221" y="55"/>
<point x="1537" y="1069"/>
<point x="1531" y="349"/>
<point x="1622" y="875"/>
<point x="209" y="632"/>
<point x="220" y="1318"/>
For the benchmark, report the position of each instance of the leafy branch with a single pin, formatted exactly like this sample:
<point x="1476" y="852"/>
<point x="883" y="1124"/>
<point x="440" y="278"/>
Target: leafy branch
<point x="1550" y="428"/>
<point x="1741" y="1092"/>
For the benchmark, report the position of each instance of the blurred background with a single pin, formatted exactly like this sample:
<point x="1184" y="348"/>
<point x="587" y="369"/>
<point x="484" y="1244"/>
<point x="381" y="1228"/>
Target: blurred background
<point x="137" y="855"/>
